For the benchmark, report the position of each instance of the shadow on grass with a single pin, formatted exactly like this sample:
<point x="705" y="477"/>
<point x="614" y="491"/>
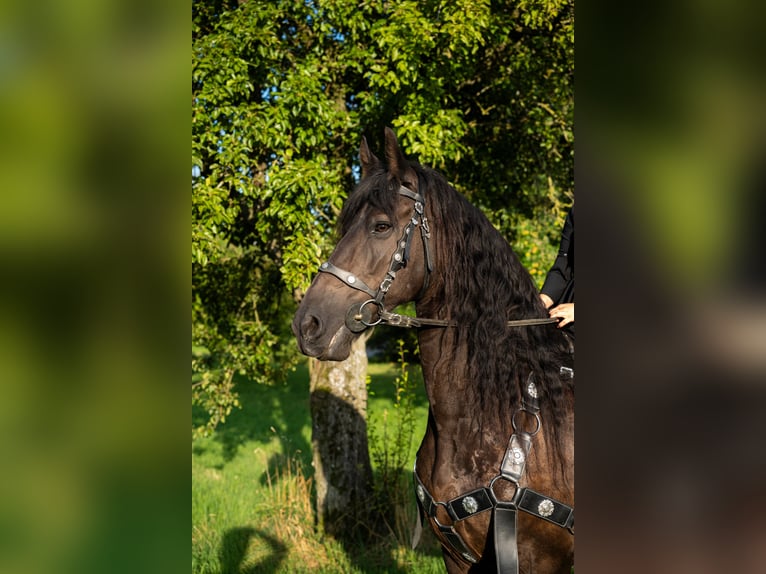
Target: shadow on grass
<point x="283" y="411"/>
<point x="381" y="553"/>
<point x="268" y="411"/>
<point x="234" y="549"/>
<point x="375" y="525"/>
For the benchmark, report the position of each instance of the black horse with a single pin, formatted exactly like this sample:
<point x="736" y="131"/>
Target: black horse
<point x="494" y="475"/>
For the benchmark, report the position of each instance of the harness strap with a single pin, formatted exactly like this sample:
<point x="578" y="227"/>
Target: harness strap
<point x="512" y="467"/>
<point x="407" y="321"/>
<point x="504" y="515"/>
<point x="458" y="509"/>
<point x="348" y="278"/>
<point x="505" y="512"/>
<point x="480" y="500"/>
<point x="506" y="548"/>
<point x="413" y="195"/>
<point x="546" y="508"/>
<point x="418" y="532"/>
<point x="457" y="542"/>
<point x="470" y="503"/>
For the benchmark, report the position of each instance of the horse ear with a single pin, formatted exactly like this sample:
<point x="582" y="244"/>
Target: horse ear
<point x="397" y="163"/>
<point x="367" y="158"/>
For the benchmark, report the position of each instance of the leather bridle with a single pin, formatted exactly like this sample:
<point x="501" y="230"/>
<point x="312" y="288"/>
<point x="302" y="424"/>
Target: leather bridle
<point x="359" y="316"/>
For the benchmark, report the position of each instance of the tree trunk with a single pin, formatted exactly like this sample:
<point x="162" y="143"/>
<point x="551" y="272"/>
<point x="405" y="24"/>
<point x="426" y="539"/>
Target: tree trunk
<point x="342" y="467"/>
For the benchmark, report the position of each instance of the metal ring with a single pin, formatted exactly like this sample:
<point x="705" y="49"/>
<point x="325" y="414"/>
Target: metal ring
<point x="362" y="321"/>
<point x="494" y="496"/>
<point x="537" y="418"/>
<point x="447" y="509"/>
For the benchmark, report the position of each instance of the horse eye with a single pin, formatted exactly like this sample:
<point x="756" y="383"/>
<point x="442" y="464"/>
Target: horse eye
<point x="381" y="227"/>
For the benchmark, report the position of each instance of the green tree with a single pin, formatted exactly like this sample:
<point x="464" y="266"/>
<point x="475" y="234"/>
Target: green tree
<point x="271" y="156"/>
<point x="282" y="91"/>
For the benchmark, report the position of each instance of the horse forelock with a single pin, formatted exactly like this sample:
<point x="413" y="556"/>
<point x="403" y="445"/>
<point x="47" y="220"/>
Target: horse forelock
<point x="373" y="192"/>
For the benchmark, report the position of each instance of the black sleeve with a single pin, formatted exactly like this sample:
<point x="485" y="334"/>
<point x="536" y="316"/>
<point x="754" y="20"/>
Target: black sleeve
<point x="560" y="278"/>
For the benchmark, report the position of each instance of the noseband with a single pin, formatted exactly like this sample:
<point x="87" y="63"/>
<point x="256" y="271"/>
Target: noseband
<point x="359" y="316"/>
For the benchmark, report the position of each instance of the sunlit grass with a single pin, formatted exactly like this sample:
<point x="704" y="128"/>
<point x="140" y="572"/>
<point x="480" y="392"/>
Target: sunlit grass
<point x="253" y="491"/>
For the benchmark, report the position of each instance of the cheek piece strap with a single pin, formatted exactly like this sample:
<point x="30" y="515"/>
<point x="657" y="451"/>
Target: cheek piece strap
<point x="356" y="320"/>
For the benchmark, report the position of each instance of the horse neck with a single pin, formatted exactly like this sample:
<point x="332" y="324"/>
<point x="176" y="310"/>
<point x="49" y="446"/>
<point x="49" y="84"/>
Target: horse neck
<point x="464" y="446"/>
<point x="452" y="394"/>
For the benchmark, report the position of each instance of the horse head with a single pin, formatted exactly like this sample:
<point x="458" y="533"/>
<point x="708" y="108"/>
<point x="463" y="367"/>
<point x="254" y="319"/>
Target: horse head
<point x="377" y="263"/>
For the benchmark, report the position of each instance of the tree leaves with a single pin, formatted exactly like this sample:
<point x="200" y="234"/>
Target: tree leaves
<point x="282" y="92"/>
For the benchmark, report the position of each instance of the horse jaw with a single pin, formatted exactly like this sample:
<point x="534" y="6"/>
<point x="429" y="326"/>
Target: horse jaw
<point x="339" y="347"/>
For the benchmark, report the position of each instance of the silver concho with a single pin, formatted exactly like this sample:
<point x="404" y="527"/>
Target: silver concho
<point x="532" y="390"/>
<point x="351" y="279"/>
<point x="421" y="493"/>
<point x="518" y="455"/>
<point x="545" y="508"/>
<point x="469" y="557"/>
<point x="470" y="505"/>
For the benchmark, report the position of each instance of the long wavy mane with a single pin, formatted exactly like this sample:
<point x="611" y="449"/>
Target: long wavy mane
<point x="480" y="283"/>
<point x="483" y="285"/>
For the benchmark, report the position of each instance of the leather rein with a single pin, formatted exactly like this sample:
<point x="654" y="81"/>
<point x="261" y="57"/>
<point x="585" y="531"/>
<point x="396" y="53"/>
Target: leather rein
<point x="359" y="316"/>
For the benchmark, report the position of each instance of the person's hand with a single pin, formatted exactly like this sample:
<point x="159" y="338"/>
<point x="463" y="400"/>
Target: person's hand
<point x="547" y="301"/>
<point x="565" y="312"/>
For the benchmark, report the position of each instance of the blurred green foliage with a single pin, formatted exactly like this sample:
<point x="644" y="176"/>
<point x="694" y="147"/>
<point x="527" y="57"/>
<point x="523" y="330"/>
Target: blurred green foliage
<point x="281" y="94"/>
<point x="93" y="243"/>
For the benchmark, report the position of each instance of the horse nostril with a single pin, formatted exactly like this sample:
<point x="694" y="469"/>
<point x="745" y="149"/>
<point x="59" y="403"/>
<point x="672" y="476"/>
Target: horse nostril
<point x="311" y="326"/>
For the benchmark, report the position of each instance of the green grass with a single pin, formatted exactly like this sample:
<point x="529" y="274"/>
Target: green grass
<point x="252" y="485"/>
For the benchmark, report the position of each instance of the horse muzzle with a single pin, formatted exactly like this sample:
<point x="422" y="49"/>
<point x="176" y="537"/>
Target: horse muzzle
<point x="315" y="341"/>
